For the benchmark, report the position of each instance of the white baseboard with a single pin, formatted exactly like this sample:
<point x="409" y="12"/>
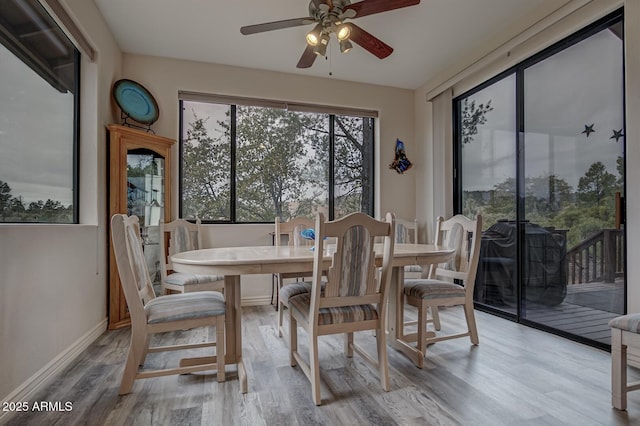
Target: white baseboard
<point x="35" y="383"/>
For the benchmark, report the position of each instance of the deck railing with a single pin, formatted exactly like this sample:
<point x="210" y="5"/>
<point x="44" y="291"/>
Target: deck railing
<point x="598" y="258"/>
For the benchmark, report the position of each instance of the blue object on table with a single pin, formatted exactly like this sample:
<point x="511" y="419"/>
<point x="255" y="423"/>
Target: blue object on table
<point x="309" y="234"/>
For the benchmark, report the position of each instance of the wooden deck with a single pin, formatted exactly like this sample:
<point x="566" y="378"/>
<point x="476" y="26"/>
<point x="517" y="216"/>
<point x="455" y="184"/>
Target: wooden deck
<point x="585" y="311"/>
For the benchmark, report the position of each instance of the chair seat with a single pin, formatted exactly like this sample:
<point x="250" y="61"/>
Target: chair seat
<point x="294" y="289"/>
<point x="337" y="315"/>
<point x="432" y="289"/>
<point x="630" y="322"/>
<point x="290" y="290"/>
<point x="182" y="279"/>
<point x="183" y="306"/>
<point x="413" y="268"/>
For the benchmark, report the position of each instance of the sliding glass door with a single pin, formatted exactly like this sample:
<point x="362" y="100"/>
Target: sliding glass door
<point x="541" y="157"/>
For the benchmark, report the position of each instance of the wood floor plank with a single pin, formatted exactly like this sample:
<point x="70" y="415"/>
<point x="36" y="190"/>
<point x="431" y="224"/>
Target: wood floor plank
<point x="517" y="375"/>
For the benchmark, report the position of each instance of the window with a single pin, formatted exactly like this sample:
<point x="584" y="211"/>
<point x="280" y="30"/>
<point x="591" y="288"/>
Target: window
<point x="243" y="163"/>
<point x="541" y="155"/>
<point x="39" y="69"/>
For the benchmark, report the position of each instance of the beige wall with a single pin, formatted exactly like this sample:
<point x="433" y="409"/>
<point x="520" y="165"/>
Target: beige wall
<point x="53" y="283"/>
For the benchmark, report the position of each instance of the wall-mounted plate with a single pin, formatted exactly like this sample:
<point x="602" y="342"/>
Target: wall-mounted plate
<point x="135" y="101"/>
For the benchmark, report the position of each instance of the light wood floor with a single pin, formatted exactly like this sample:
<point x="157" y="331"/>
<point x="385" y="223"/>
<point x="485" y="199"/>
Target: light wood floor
<point x="516" y="376"/>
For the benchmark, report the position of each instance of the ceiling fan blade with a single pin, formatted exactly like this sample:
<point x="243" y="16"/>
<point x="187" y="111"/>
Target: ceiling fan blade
<point x="368" y="42"/>
<point x="370" y="7"/>
<point x="307" y="58"/>
<point x="276" y="25"/>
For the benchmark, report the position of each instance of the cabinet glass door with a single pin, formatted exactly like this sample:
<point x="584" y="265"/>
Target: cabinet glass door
<point x="145" y="199"/>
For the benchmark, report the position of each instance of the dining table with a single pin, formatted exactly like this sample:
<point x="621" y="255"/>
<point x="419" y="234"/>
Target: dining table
<point x="233" y="262"/>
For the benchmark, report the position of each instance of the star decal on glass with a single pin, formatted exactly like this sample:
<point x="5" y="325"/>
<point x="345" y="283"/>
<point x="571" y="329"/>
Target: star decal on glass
<point x="617" y="134"/>
<point x="588" y="129"/>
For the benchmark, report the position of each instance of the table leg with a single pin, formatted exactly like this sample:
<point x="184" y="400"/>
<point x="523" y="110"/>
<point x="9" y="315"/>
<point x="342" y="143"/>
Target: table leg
<point x="234" y="328"/>
<point x="392" y="313"/>
<point x="395" y="327"/>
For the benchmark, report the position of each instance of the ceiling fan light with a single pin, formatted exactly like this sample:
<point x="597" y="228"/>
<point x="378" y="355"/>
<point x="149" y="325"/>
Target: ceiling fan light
<point x="343" y="33"/>
<point x="345" y="46"/>
<point x="321" y="48"/>
<point x="313" y="36"/>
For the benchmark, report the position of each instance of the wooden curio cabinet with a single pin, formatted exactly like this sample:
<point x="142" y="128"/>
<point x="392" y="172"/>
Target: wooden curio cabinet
<point x="139" y="184"/>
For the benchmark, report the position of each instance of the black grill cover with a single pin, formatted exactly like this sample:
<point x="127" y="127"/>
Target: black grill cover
<point x="544" y="274"/>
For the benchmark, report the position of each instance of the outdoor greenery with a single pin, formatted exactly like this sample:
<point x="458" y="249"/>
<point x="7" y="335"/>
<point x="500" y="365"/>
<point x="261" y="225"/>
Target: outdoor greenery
<point x="552" y="202"/>
<point x="549" y="201"/>
<point x="281" y="161"/>
<point x="14" y="209"/>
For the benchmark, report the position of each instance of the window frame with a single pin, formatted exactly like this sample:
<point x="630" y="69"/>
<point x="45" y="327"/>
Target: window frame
<point x="233" y="102"/>
<point x="26" y="53"/>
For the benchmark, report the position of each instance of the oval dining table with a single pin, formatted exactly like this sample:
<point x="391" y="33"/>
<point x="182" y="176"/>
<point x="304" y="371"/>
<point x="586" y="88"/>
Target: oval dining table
<point x="233" y="262"/>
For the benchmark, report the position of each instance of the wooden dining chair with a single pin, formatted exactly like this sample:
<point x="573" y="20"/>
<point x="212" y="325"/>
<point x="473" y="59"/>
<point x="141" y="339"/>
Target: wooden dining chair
<point x="291" y="231"/>
<point x="448" y="284"/>
<point x="354" y="297"/>
<point x="153" y="315"/>
<point x="625" y="333"/>
<point x="407" y="233"/>
<point x="176" y="237"/>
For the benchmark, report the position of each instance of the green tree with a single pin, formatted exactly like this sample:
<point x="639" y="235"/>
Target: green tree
<point x="273" y="169"/>
<point x="620" y="170"/>
<point x="473" y="116"/>
<point x="546" y="196"/>
<point x="206" y="187"/>
<point x="596" y="185"/>
<point x="353" y="161"/>
<point x="5" y="196"/>
<point x="281" y="165"/>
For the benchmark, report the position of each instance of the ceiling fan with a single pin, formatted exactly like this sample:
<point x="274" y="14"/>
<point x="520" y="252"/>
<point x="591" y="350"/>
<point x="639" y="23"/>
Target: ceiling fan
<point x="329" y="17"/>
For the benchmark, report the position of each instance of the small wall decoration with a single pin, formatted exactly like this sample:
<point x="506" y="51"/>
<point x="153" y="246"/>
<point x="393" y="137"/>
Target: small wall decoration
<point x="400" y="162"/>
<point x="135" y="103"/>
<point x="588" y="129"/>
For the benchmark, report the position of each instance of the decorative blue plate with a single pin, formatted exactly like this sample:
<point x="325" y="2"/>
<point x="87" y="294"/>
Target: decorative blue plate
<point x="135" y="101"/>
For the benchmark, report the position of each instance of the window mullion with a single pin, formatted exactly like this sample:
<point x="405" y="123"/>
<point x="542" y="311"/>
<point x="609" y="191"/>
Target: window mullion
<point x="232" y="189"/>
<point x="332" y="166"/>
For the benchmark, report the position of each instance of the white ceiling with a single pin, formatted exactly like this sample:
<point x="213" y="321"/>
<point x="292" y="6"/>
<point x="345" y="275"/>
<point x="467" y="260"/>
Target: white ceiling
<point x="428" y="38"/>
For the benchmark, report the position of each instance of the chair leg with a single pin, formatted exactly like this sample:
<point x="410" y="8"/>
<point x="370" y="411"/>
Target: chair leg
<point x="435" y="316"/>
<point x="348" y="345"/>
<point x="134" y="358"/>
<point x="421" y="343"/>
<point x="279" y="306"/>
<point x="280" y="317"/>
<point x="145" y="351"/>
<point x="383" y="364"/>
<point x="471" y="322"/>
<point x="314" y="368"/>
<point x="618" y="370"/>
<point x="293" y="339"/>
<point x="220" y="349"/>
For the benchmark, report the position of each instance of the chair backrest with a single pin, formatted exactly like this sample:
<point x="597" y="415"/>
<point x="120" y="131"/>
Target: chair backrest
<point x="406" y="231"/>
<point x="464" y="235"/>
<point x="292" y="229"/>
<point x="352" y="278"/>
<point x="132" y="265"/>
<point x="175" y="237"/>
